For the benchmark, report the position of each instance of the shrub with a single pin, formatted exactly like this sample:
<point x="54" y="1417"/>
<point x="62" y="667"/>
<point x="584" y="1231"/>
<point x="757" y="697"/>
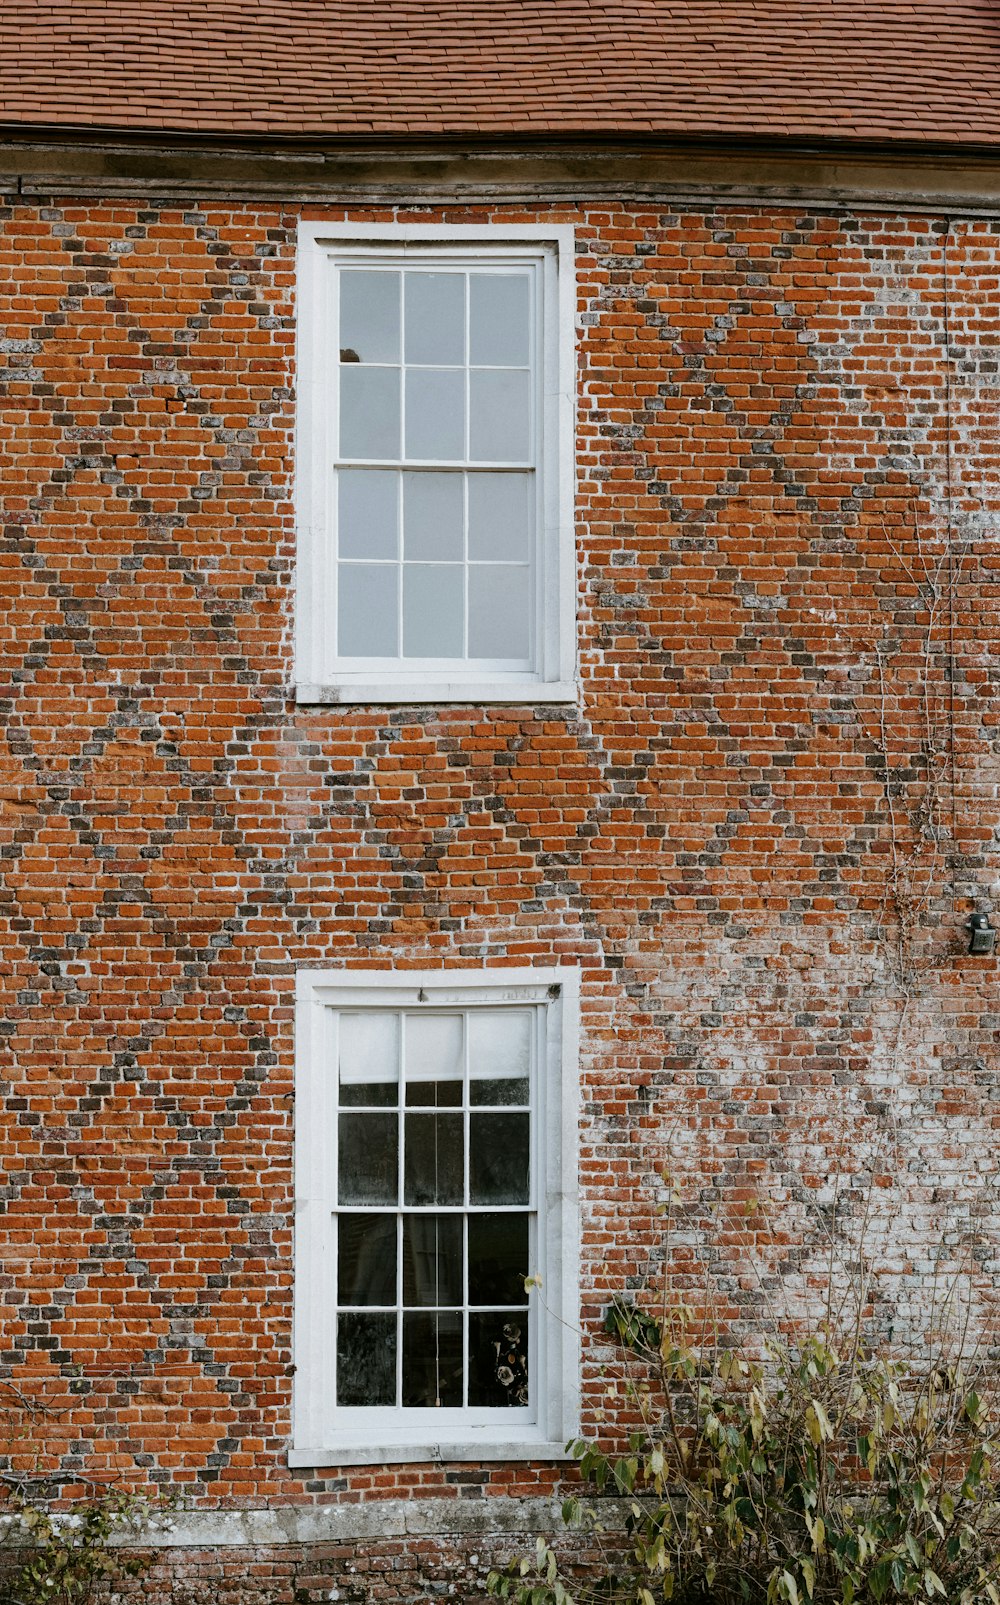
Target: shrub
<point x="811" y="1468"/>
<point x="57" y="1556"/>
<point x="54" y="1551"/>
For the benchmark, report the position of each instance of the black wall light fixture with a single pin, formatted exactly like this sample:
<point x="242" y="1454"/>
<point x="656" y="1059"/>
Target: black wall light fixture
<point x="982" y="936"/>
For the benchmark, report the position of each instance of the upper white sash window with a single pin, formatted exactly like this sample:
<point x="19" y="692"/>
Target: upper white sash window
<point x="434" y="483"/>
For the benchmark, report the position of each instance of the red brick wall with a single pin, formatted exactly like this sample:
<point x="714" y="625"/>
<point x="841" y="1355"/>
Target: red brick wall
<point x="760" y="834"/>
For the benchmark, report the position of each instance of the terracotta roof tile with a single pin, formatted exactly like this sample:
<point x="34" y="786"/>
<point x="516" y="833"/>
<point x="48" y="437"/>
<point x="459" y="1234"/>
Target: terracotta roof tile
<point x="853" y="69"/>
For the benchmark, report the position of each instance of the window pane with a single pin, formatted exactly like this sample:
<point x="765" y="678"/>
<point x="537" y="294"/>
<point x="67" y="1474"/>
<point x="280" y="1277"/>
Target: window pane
<point x="498" y="318"/>
<point x="369" y="412"/>
<point x="432" y="1360"/>
<point x="433" y="1047"/>
<point x="434" y="1059"/>
<point x="499" y="611"/>
<point x="432" y="1164"/>
<point x="500" y="517"/>
<point x="499" y="1055"/>
<point x="368" y="1151"/>
<point x="433" y="516"/>
<point x="501" y="416"/>
<point x="498" y="1258"/>
<point x="369" y="1058"/>
<point x="432" y="1259"/>
<point x="366" y="1359"/>
<point x="433" y="1094"/>
<point x="366" y="1259"/>
<point x="498" y="1359"/>
<point x="494" y="1093"/>
<point x="498" y="1159"/>
<point x="435" y="414"/>
<point x="367" y="513"/>
<point x="366" y="610"/>
<point x="369" y="316"/>
<point x="433" y="611"/>
<point x="435" y="317"/>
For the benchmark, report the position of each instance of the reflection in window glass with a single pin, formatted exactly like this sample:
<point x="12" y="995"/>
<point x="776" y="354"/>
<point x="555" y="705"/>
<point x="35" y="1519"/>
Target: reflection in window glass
<point x="432" y="1360"/>
<point x="433" y="518"/>
<point x="435" y="415"/>
<point x="499" y="310"/>
<point x="367" y="610"/>
<point x="367" y="1159"/>
<point x="500" y="517"/>
<point x="369" y="412"/>
<point x="369" y="316"/>
<point x="432" y="1260"/>
<point x="499" y="611"/>
<point x="366" y="1359"/>
<point x="366" y="1259"/>
<point x="435" y="318"/>
<point x="367" y="513"/>
<point x="369" y="1057"/>
<point x="433" y="610"/>
<point x="499" y="416"/>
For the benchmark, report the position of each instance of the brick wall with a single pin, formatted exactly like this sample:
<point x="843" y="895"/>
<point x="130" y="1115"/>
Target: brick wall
<point x="760" y="833"/>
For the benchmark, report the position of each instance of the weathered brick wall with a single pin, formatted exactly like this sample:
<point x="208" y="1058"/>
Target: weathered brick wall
<point x="760" y="833"/>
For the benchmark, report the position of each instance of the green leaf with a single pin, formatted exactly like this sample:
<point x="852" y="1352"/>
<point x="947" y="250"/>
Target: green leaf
<point x="789" y="1588"/>
<point x="818" y="1424"/>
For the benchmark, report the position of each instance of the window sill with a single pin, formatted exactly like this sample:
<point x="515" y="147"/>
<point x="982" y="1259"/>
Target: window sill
<point x="537" y="692"/>
<point x="355" y="1454"/>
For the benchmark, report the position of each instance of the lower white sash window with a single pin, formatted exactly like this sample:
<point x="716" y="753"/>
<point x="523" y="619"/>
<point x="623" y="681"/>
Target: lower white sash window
<point x="436" y="1221"/>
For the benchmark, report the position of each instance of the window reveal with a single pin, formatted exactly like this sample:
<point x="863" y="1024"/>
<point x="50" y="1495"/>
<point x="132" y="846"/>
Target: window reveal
<point x="435" y="1217"/>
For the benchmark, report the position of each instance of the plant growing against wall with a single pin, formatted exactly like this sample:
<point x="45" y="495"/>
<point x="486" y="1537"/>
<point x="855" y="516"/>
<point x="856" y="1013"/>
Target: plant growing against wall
<point x="805" y="1466"/>
<point x="53" y="1552"/>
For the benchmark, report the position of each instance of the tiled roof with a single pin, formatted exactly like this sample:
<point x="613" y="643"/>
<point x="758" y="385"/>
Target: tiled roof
<point x="852" y="69"/>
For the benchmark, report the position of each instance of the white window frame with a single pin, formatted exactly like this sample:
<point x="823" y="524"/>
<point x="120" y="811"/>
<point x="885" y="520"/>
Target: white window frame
<point x="324" y="1435"/>
<point x="320" y="677"/>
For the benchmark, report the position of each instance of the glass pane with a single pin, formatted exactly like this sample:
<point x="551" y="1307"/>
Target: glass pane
<point x="366" y="1259"/>
<point x="498" y="1258"/>
<point x="434" y="1059"/>
<point x="366" y="1359"/>
<point x="432" y="1259"/>
<point x="433" y="611"/>
<point x="498" y="1159"/>
<point x="500" y="517"/>
<point x="494" y="1093"/>
<point x="501" y="416"/>
<point x="433" y="1094"/>
<point x="367" y="625"/>
<point x="499" y="611"/>
<point x="498" y="318"/>
<point x="498" y="1359"/>
<point x="435" y="317"/>
<point x="368" y="1151"/>
<point x="369" y="1058"/>
<point x="369" y="316"/>
<point x="433" y="1047"/>
<point x="432" y="1163"/>
<point x="435" y="414"/>
<point x="367" y="513"/>
<point x="433" y="516"/>
<point x="432" y="1360"/>
<point x="369" y="412"/>
<point x="499" y="1055"/>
